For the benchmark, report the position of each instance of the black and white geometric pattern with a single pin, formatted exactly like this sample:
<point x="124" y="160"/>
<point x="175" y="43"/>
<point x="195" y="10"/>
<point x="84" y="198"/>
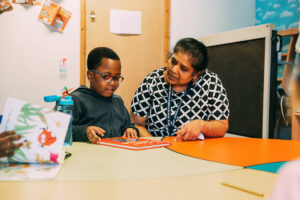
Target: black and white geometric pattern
<point x="207" y="100"/>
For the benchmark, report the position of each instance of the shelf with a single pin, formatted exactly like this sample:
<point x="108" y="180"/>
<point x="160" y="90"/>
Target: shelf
<point x="284" y="63"/>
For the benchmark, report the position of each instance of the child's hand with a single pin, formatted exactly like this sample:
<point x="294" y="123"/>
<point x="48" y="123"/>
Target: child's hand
<point x="130" y="132"/>
<point x="92" y="133"/>
<point x="7" y="145"/>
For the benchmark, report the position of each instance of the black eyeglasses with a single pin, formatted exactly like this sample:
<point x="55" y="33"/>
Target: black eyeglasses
<point x="109" y="78"/>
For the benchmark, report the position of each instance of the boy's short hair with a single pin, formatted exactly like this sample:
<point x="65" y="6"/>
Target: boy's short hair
<point x="96" y="55"/>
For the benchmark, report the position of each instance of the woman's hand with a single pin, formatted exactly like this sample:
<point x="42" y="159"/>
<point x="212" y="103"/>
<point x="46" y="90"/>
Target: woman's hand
<point x="7" y="147"/>
<point x="130" y="132"/>
<point x="191" y="130"/>
<point x="92" y="133"/>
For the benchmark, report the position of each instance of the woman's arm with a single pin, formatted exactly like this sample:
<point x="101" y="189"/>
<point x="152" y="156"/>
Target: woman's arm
<point x="140" y="124"/>
<point x="213" y="128"/>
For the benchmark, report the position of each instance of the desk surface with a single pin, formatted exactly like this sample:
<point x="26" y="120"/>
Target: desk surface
<point x="100" y="172"/>
<point x="206" y="186"/>
<point x="90" y="162"/>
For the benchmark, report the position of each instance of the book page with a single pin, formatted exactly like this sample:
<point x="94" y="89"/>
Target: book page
<point x="42" y="131"/>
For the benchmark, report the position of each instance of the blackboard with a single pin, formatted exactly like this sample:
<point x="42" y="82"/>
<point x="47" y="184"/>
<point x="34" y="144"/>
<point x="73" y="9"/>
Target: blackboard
<point x="241" y="68"/>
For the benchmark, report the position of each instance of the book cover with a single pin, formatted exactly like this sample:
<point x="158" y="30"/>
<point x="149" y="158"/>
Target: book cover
<point x="61" y="19"/>
<point x="42" y="131"/>
<point x="54" y="15"/>
<point x="133" y="143"/>
<point x="48" y="12"/>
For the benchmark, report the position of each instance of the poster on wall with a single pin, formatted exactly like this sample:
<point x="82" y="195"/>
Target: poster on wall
<point x="54" y="15"/>
<point x="5" y="5"/>
<point x="125" y="22"/>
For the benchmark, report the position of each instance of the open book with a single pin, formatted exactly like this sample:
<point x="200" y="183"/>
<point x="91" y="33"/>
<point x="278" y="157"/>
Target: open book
<point x="133" y="143"/>
<point x="42" y="131"/>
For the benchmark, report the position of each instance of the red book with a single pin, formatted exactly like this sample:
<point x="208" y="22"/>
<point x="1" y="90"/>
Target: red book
<point x="133" y="143"/>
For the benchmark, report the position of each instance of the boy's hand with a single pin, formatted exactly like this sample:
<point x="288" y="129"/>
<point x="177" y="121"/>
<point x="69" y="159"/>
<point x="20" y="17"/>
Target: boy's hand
<point x="130" y="132"/>
<point x="7" y="146"/>
<point x="92" y="133"/>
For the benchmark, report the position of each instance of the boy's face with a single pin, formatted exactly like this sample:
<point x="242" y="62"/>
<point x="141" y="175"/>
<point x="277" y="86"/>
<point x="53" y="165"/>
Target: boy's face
<point x="103" y="87"/>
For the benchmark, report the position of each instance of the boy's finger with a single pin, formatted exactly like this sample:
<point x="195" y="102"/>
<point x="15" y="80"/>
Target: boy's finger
<point x="134" y="133"/>
<point x="100" y="131"/>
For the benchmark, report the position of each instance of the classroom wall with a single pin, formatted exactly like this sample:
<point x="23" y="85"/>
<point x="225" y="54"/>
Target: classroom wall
<point x="198" y="18"/>
<point x="30" y="50"/>
<point x="30" y="53"/>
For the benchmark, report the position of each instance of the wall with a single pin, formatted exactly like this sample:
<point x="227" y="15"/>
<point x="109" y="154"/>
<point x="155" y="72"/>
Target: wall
<point x="208" y="17"/>
<point x="30" y="52"/>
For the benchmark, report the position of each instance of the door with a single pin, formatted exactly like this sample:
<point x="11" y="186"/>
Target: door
<point x="139" y="54"/>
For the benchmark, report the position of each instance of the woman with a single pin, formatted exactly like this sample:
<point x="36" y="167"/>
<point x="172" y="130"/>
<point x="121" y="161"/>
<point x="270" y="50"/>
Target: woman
<point x="184" y="98"/>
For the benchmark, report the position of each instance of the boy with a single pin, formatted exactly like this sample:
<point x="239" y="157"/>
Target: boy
<point x="97" y="111"/>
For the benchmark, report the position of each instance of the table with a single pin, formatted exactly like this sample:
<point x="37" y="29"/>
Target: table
<point x="101" y="172"/>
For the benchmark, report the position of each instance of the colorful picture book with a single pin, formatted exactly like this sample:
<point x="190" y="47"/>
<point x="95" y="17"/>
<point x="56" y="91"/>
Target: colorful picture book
<point x="133" y="143"/>
<point x="42" y="132"/>
<point x="54" y="15"/>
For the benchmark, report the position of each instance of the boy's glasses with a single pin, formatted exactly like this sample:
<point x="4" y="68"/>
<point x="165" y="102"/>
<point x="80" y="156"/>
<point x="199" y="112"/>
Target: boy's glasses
<point x="109" y="78"/>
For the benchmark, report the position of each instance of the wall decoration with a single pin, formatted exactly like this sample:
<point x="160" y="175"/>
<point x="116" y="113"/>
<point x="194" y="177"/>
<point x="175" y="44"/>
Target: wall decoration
<point x="31" y="2"/>
<point x="283" y="13"/>
<point x="54" y="15"/>
<point x="5" y="5"/>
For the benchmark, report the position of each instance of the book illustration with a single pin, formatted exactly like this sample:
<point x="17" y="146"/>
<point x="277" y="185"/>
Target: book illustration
<point x="54" y="15"/>
<point x="133" y="143"/>
<point x="61" y="19"/>
<point x="42" y="131"/>
<point x="48" y="12"/>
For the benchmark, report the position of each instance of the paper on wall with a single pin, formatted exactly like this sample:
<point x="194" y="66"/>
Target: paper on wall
<point x="125" y="22"/>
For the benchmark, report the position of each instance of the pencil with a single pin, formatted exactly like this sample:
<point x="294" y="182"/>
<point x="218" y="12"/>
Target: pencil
<point x="242" y="189"/>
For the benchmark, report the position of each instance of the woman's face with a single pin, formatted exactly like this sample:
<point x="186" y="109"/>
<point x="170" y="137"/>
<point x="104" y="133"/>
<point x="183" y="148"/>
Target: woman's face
<point x="179" y="69"/>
